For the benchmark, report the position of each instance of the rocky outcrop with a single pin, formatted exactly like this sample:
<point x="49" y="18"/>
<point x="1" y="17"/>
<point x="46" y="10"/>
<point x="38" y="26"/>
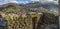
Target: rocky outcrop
<point x="30" y="20"/>
<point x="28" y="17"/>
<point x="24" y="22"/>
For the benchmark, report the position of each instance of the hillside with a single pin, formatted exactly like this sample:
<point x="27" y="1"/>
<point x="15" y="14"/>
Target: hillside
<point x="29" y="16"/>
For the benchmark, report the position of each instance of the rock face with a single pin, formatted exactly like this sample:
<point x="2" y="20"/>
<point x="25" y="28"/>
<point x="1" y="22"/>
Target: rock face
<point x="30" y="20"/>
<point x="29" y="17"/>
<point x="24" y="22"/>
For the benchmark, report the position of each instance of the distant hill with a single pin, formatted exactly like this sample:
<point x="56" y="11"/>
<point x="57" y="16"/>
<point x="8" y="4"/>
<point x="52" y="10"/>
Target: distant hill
<point x="30" y="7"/>
<point x="9" y="7"/>
<point x="48" y="5"/>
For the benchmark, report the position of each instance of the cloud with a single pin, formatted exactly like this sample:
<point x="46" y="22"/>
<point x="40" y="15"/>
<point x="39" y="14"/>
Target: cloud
<point x="49" y="0"/>
<point x="12" y="2"/>
<point x="43" y="0"/>
<point x="7" y="1"/>
<point x="34" y="0"/>
<point x="27" y="2"/>
<point x="22" y="1"/>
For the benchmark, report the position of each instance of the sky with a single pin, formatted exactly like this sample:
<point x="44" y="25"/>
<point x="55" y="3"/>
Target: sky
<point x="22" y="1"/>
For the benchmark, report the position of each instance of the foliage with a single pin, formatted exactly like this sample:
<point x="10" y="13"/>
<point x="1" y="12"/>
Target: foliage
<point x="12" y="9"/>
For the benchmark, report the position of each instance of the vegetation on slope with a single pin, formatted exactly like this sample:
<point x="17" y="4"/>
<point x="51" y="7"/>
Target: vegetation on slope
<point x="27" y="18"/>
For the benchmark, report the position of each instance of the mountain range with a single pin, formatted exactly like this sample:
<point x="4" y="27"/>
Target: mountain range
<point x="48" y="5"/>
<point x="34" y="6"/>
